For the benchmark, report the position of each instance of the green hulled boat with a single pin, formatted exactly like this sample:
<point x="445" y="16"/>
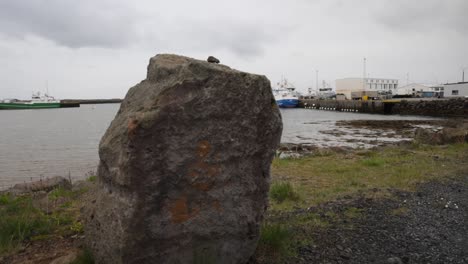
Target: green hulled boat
<point x="37" y="102"/>
<point x="17" y="105"/>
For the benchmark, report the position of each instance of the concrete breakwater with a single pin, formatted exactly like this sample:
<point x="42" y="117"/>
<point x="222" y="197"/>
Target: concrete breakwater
<point x="78" y="102"/>
<point x="91" y="101"/>
<point x="446" y="108"/>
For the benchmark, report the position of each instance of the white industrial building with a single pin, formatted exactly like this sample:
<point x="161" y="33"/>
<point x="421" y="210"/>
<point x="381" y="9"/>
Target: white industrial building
<point x="420" y="90"/>
<point x="348" y="86"/>
<point x="456" y="89"/>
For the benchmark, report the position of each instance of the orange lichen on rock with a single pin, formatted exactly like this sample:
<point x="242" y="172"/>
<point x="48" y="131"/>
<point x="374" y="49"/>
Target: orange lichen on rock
<point x="202" y="168"/>
<point x="204" y="148"/>
<point x="217" y="206"/>
<point x="201" y="171"/>
<point x="202" y="186"/>
<point x="132" y="126"/>
<point x="181" y="212"/>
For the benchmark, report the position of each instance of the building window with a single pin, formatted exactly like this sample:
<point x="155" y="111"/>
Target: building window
<point x="454" y="92"/>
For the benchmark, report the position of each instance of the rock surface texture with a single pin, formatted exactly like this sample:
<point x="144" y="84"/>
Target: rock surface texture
<point x="185" y="166"/>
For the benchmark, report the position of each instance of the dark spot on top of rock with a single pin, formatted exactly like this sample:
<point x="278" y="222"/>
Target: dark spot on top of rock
<point x="212" y="59"/>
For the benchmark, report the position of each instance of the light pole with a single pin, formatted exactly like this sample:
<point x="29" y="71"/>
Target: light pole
<point x="316" y="80"/>
<point x="364" y="75"/>
<point x="463" y="73"/>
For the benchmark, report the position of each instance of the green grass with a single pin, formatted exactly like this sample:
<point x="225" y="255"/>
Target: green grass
<point x="311" y="220"/>
<point x="275" y="242"/>
<point x="353" y="212"/>
<point x="92" y="178"/>
<point x="373" y="162"/>
<point x="60" y="192"/>
<point x="281" y="191"/>
<point x="20" y="221"/>
<point x="4" y="199"/>
<point x="400" y="211"/>
<point x="322" y="178"/>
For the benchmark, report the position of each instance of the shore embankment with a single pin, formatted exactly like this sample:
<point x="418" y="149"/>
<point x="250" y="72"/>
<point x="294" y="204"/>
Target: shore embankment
<point x="435" y="107"/>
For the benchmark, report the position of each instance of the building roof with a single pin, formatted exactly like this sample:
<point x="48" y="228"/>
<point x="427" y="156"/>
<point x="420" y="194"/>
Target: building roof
<point x="455" y="83"/>
<point x="360" y="78"/>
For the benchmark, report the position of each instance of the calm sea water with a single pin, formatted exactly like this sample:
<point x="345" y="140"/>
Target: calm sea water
<point x="51" y="142"/>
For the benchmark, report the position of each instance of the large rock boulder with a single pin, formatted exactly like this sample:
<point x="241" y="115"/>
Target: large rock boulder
<point x="185" y="166"/>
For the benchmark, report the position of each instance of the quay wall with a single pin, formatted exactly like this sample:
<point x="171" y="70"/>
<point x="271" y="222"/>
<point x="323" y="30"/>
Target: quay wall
<point x="441" y="107"/>
<point x="452" y="107"/>
<point x="373" y="107"/>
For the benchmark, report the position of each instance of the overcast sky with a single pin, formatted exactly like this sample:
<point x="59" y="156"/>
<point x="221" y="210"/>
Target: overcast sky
<point x="100" y="48"/>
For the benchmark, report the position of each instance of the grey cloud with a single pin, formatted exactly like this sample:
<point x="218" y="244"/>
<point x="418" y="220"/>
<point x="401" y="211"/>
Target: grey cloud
<point x="423" y="16"/>
<point x="84" y="23"/>
<point x="243" y="39"/>
<point x="115" y="24"/>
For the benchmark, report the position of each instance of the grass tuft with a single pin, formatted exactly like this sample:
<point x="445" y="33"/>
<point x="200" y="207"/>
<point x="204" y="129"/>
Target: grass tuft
<point x="20" y="221"/>
<point x="275" y="242"/>
<point x="5" y="199"/>
<point x="373" y="162"/>
<point x="60" y="192"/>
<point x="92" y="178"/>
<point x="281" y="191"/>
<point x="353" y="212"/>
<point x="401" y="211"/>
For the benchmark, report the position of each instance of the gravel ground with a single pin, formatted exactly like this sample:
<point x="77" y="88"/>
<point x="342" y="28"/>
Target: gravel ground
<point x="426" y="226"/>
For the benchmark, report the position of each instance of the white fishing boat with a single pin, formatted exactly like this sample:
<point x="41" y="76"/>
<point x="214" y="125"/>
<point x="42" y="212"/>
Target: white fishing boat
<point x="286" y="95"/>
<point x="37" y="101"/>
<point x="326" y="92"/>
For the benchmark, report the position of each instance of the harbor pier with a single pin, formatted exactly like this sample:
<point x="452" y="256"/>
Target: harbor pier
<point x="438" y="107"/>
